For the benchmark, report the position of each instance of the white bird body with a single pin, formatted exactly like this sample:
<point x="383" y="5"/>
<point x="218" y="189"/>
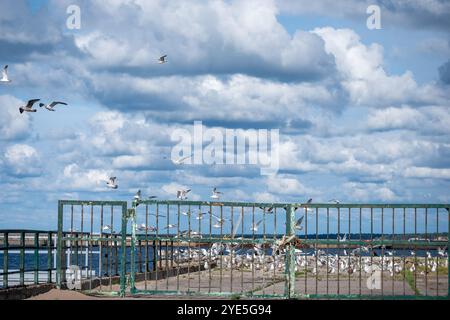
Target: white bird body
<point x="5" y="78"/>
<point x="51" y="106"/>
<point x="29" y="106"/>
<point x="112" y="183"/>
<point x="216" y="194"/>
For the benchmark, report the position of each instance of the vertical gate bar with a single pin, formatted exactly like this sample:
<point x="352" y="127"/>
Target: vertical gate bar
<point x="49" y="257"/>
<point x="437" y="256"/>
<point x="167" y="248"/>
<point x="178" y="248"/>
<point x="328" y="247"/>
<point x="199" y="251"/>
<point x="264" y="242"/>
<point x="448" y="253"/>
<point x="110" y="249"/>
<point x="100" y="247"/>
<point x="91" y="246"/>
<point x="116" y="255"/>
<point x="382" y="252"/>
<point x="5" y="261"/>
<point x="306" y="256"/>
<point x="133" y="247"/>
<point x="209" y="248"/>
<point x="290" y="258"/>
<point x="242" y="245"/>
<point x="404" y="256"/>
<point x="123" y="250"/>
<point x="253" y="244"/>
<point x="158" y="252"/>
<point x="22" y="258"/>
<point x="360" y="254"/>
<point x="71" y="232"/>
<point x="315" y="247"/>
<point x="36" y="258"/>
<point x="146" y="247"/>
<point x="221" y="250"/>
<point x="189" y="249"/>
<point x="393" y="251"/>
<point x="338" y="250"/>
<point x="139" y="255"/>
<point x="426" y="255"/>
<point x="349" y="238"/>
<point x="415" y="251"/>
<point x="82" y="237"/>
<point x="59" y="245"/>
<point x="231" y="256"/>
<point x="77" y="236"/>
<point x="371" y="243"/>
<point x="275" y="232"/>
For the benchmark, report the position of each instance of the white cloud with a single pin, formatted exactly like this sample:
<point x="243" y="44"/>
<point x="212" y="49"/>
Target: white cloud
<point x="13" y="126"/>
<point x="22" y="160"/>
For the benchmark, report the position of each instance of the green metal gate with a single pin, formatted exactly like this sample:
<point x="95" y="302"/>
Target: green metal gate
<point x="91" y="246"/>
<point x="260" y="250"/>
<point x="305" y="251"/>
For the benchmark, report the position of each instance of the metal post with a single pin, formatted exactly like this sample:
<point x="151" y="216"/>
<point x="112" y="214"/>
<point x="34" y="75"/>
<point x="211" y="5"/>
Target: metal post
<point x="49" y="257"/>
<point x="132" y="215"/>
<point x="59" y="273"/>
<point x="22" y="258"/>
<point x="124" y="250"/>
<point x="290" y="254"/>
<point x="36" y="258"/>
<point x="5" y="261"/>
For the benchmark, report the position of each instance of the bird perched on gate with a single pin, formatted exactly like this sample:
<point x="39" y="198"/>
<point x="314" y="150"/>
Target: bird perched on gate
<point x="5" y="78"/>
<point x="29" y="106"/>
<point x="112" y="183"/>
<point x="51" y="106"/>
<point x="216" y="194"/>
<point x="137" y="196"/>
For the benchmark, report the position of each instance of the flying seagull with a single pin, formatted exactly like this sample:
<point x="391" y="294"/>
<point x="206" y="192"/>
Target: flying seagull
<point x="112" y="183"/>
<point x="309" y="201"/>
<point x="298" y="224"/>
<point x="51" y="106"/>
<point x="163" y="59"/>
<point x="182" y="194"/>
<point x="255" y="226"/>
<point x="5" y="78"/>
<point x="181" y="161"/>
<point x="335" y="201"/>
<point x="216" y="194"/>
<point x="29" y="106"/>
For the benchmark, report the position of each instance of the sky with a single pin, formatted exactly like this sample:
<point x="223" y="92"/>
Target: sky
<point x="362" y="114"/>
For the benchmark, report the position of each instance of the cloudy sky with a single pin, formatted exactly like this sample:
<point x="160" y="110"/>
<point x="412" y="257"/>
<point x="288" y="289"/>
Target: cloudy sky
<point x="363" y="114"/>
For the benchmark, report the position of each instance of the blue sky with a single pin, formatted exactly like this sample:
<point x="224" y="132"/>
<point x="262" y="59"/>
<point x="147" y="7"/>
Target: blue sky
<point x="363" y="114"/>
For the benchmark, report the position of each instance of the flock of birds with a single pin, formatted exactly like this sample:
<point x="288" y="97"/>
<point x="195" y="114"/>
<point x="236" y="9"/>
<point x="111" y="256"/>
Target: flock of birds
<point x="28" y="107"/>
<point x="236" y="256"/>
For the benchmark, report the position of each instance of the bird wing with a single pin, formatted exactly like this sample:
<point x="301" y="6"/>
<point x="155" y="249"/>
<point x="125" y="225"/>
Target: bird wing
<point x="299" y="221"/>
<point x="187" y="191"/>
<point x="31" y="102"/>
<point x="5" y="72"/>
<point x="56" y="103"/>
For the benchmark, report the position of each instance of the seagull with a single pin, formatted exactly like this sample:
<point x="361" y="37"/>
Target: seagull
<point x="159" y="215"/>
<point x="152" y="197"/>
<point x="51" y="106"/>
<point x="112" y="183"/>
<point x="182" y="194"/>
<point x="143" y="227"/>
<point x="162" y="59"/>
<point x="309" y="201"/>
<point x="29" y="106"/>
<point x="298" y="224"/>
<point x="5" y="78"/>
<point x="106" y="228"/>
<point x="216" y="194"/>
<point x="268" y="211"/>
<point x="220" y="220"/>
<point x="335" y="201"/>
<point x="181" y="161"/>
<point x="137" y="197"/>
<point x="170" y="226"/>
<point x="255" y="226"/>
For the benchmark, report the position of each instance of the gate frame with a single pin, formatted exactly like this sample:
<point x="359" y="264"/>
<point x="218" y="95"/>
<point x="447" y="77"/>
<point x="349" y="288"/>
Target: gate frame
<point x="60" y="270"/>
